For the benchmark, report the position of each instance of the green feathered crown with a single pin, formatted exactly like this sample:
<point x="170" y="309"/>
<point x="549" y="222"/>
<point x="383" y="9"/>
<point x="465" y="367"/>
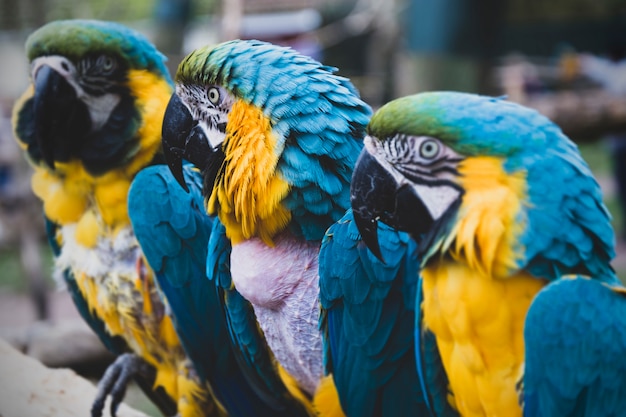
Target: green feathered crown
<point x="93" y="37"/>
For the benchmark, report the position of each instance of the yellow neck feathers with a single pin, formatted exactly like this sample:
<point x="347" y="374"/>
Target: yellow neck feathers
<point x="248" y="191"/>
<point x="490" y="218"/>
<point x="476" y="301"/>
<point x="72" y="195"/>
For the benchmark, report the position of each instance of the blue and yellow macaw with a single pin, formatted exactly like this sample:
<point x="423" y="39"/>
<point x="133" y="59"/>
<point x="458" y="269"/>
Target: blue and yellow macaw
<point x="276" y="135"/>
<point x="173" y="230"/>
<point x="89" y="123"/>
<point x="518" y="308"/>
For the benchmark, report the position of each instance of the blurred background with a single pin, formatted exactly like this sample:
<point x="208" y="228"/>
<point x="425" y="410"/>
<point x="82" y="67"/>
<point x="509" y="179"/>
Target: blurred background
<point x="566" y="58"/>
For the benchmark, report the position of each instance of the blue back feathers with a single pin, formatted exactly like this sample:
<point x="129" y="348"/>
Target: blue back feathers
<point x="317" y="116"/>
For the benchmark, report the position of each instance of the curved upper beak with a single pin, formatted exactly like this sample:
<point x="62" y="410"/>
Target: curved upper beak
<point x="376" y="195"/>
<point x="371" y="195"/>
<point x="59" y="115"/>
<point x="184" y="138"/>
<point x="177" y="125"/>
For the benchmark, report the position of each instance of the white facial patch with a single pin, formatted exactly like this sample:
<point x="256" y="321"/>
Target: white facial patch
<point x="210" y="116"/>
<point x="99" y="107"/>
<point x="437" y="199"/>
<point x="213" y="134"/>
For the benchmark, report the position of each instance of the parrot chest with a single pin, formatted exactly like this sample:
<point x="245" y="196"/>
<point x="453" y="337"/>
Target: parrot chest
<point x="120" y="291"/>
<point x="479" y="324"/>
<point x="281" y="283"/>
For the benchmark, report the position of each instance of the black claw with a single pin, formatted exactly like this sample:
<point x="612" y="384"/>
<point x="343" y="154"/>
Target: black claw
<point x="115" y="381"/>
<point x="119" y="390"/>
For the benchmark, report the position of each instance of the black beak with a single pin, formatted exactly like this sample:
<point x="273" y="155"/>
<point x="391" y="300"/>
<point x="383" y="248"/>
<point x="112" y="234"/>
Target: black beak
<point x="371" y="195"/>
<point x="183" y="138"/>
<point x="60" y="116"/>
<point x="375" y="195"/>
<point x="177" y="125"/>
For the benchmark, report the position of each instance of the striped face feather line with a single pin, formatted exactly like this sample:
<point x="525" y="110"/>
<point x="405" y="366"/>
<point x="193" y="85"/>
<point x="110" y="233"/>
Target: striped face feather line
<point x="209" y="106"/>
<point x="422" y="163"/>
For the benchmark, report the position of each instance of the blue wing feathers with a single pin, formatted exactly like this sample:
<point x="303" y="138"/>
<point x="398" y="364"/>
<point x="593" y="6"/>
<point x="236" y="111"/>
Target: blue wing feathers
<point x="367" y="320"/>
<point x="575" y="341"/>
<point x="174" y="232"/>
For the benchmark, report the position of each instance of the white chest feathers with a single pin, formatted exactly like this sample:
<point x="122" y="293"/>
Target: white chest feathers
<point x="281" y="283"/>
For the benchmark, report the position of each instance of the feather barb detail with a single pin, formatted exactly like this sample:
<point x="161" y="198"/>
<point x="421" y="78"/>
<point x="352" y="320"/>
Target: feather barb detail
<point x="248" y="192"/>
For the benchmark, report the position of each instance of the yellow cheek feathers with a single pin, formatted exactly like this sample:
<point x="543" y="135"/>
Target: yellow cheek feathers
<point x="490" y="221"/>
<point x="248" y="191"/>
<point x="152" y="93"/>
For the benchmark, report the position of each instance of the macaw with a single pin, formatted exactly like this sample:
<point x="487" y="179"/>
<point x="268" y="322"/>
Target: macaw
<point x="173" y="230"/>
<point x="88" y="123"/>
<point x="518" y="310"/>
<point x="276" y="135"/>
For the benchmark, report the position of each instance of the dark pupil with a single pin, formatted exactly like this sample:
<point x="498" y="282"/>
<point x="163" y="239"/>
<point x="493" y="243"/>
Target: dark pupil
<point x="428" y="148"/>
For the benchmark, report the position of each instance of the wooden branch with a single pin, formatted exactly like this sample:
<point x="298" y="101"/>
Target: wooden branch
<point x="69" y="344"/>
<point x="28" y="388"/>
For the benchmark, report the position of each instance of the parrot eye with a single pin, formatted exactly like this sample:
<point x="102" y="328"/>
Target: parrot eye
<point x="214" y="95"/>
<point x="106" y="63"/>
<point x="429" y="149"/>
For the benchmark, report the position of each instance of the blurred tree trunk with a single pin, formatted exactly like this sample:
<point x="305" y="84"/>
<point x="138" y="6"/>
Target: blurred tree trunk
<point x="450" y="44"/>
<point x="30" y="254"/>
<point x="232" y="13"/>
<point x="20" y="14"/>
<point x="36" y="12"/>
<point x="172" y="18"/>
<point x="9" y="19"/>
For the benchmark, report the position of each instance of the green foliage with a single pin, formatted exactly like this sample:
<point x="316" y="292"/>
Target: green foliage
<point x="13" y="278"/>
<point x="100" y="9"/>
<point x="597" y="156"/>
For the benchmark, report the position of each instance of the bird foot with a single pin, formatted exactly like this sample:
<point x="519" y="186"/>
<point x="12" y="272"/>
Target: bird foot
<point x="115" y="380"/>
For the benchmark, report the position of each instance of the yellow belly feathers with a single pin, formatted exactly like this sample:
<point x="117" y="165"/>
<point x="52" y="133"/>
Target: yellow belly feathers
<point x="479" y="325"/>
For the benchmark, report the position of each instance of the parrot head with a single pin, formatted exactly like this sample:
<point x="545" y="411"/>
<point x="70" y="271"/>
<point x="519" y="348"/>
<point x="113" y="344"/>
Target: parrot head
<point x="482" y="179"/>
<point x="98" y="93"/>
<point x="275" y="133"/>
